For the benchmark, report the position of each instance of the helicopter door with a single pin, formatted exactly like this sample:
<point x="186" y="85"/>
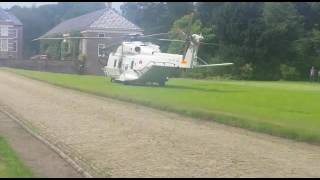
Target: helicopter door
<point x="113" y="70"/>
<point x="115" y="64"/>
<point x="119" y="64"/>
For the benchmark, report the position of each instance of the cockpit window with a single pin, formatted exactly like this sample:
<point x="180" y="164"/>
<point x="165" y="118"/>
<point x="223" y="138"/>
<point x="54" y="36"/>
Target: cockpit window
<point x="137" y="49"/>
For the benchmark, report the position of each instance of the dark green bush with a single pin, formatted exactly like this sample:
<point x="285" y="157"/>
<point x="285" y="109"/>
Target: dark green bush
<point x="246" y="71"/>
<point x="289" y="73"/>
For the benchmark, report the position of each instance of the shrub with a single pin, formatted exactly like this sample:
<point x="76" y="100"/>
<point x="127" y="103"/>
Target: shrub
<point x="288" y="72"/>
<point x="80" y="63"/>
<point x="82" y="58"/>
<point x="246" y="71"/>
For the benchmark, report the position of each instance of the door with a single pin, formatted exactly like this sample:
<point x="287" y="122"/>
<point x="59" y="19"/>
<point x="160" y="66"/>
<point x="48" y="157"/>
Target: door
<point x="112" y="69"/>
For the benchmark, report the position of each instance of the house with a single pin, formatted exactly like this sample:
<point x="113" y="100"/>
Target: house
<point x="106" y="22"/>
<point x="10" y="36"/>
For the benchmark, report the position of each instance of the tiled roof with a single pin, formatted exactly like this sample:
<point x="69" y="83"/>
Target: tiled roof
<point x="103" y="19"/>
<point x="8" y="17"/>
<point x="112" y="20"/>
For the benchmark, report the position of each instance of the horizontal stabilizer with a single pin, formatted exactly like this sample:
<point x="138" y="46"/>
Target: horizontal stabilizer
<point x="211" y="65"/>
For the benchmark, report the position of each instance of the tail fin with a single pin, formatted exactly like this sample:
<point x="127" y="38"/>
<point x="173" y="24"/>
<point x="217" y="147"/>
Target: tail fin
<point x="190" y="55"/>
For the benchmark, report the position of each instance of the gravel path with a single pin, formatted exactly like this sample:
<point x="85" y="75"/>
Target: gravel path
<point x="43" y="161"/>
<point x="117" y="139"/>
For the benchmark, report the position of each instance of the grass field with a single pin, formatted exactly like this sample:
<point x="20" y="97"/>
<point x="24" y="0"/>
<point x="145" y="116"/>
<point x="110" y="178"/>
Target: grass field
<point x="287" y="109"/>
<point x="10" y="165"/>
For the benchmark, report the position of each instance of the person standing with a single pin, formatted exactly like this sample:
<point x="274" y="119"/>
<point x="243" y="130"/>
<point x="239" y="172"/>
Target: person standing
<point x="312" y="73"/>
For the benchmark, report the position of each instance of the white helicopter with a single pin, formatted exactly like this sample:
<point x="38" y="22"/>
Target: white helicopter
<point x="137" y="62"/>
<point x="140" y="62"/>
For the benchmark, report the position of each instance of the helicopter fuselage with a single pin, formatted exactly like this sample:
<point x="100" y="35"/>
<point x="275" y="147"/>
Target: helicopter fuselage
<point x="141" y="62"/>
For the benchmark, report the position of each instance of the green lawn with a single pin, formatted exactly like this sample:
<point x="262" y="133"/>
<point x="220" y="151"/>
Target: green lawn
<point x="287" y="109"/>
<point x="10" y="165"/>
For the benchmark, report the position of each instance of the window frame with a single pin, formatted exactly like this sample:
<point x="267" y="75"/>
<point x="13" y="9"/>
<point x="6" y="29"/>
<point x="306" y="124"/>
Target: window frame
<point x="99" y="45"/>
<point x="101" y="34"/>
<point x="1" y="45"/>
<point x="15" y="32"/>
<point x="2" y="28"/>
<point x="16" y="46"/>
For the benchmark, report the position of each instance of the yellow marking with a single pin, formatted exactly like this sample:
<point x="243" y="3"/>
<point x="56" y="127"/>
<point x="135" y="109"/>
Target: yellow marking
<point x="184" y="61"/>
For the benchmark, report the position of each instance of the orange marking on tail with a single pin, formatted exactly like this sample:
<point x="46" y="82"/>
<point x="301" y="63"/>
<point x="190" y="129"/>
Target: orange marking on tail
<point x="184" y="61"/>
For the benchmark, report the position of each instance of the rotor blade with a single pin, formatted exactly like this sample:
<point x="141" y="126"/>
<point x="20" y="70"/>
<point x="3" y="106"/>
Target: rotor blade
<point x="90" y="37"/>
<point x="187" y="42"/>
<point x="190" y="25"/>
<point x="210" y="44"/>
<point x="124" y="36"/>
<point x="211" y="65"/>
<point x="151" y="35"/>
<point x="203" y="61"/>
<point x="48" y="39"/>
<point x="73" y="38"/>
<point x="185" y="48"/>
<point x="171" y="40"/>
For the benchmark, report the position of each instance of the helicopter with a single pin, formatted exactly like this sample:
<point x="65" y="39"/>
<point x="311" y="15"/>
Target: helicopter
<point x="132" y="61"/>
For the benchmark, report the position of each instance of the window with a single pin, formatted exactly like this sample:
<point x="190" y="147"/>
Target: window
<point x="101" y="35"/>
<point x="120" y="64"/>
<point x="100" y="50"/>
<point x="14" y="46"/>
<point x="13" y="33"/>
<point x="4" y="44"/>
<point x="4" y="31"/>
<point x="137" y="49"/>
<point x="66" y="47"/>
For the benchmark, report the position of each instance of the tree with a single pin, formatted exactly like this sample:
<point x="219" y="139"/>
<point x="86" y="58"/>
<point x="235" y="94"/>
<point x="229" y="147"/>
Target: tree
<point x="237" y="26"/>
<point x="266" y="41"/>
<point x="155" y="17"/>
<point x="182" y="24"/>
<point x="282" y="28"/>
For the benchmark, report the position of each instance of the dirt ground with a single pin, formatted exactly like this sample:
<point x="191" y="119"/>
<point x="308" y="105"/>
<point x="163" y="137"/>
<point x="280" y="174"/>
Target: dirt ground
<point x="111" y="138"/>
<point x="42" y="160"/>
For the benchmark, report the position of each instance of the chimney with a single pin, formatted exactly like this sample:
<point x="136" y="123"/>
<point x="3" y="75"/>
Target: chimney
<point x="109" y="5"/>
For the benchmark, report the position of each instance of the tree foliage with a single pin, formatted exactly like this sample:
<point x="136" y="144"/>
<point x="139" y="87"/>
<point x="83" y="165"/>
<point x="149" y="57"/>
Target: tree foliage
<point x="182" y="25"/>
<point x="265" y="40"/>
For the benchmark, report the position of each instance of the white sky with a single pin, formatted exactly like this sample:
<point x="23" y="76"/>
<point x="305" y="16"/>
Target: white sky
<point x="6" y="5"/>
